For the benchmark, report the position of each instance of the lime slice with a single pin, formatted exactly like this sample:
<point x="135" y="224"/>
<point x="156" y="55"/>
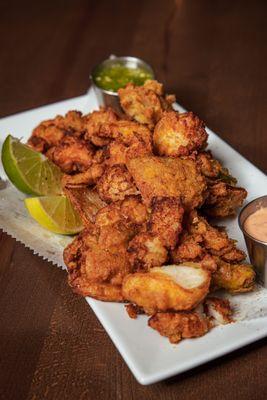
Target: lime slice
<point x="54" y="213"/>
<point x="30" y="171"/>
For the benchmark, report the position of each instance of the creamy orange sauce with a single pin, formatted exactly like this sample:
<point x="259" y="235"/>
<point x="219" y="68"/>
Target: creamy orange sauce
<point x="256" y="224"/>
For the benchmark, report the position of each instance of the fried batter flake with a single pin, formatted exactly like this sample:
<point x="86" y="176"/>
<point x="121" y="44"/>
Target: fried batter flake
<point x="180" y="325"/>
<point x="219" y="310"/>
<point x="94" y="122"/>
<point x="133" y="311"/>
<point x="72" y="123"/>
<point x="213" y="169"/>
<point x="166" y="219"/>
<point x="131" y="211"/>
<point x="223" y="199"/>
<point x="116" y="183"/>
<point x="146" y="251"/>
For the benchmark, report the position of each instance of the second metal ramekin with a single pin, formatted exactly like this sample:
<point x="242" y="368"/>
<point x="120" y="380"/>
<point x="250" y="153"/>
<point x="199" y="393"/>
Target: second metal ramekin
<point x="257" y="249"/>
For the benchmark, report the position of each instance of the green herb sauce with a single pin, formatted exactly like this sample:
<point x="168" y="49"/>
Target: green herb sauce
<point x="117" y="75"/>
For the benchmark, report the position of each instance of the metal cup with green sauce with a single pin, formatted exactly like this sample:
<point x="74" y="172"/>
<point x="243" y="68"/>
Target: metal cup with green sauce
<point x="114" y="73"/>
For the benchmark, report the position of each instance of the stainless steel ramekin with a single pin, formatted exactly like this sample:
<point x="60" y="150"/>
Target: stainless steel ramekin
<point x="257" y="249"/>
<point x="111" y="99"/>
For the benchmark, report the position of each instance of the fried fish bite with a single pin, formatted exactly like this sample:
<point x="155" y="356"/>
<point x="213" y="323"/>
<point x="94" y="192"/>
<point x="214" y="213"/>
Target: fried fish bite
<point x="145" y="104"/>
<point x="50" y="133"/>
<point x="94" y="122"/>
<point x="223" y="200"/>
<point x="119" y="153"/>
<point x="170" y="177"/>
<point x="127" y="132"/>
<point x="96" y="268"/>
<point x="72" y="155"/>
<point x="180" y="325"/>
<point x="219" y="310"/>
<point x="129" y="140"/>
<point x="235" y="278"/>
<point x="131" y="211"/>
<point x="203" y="243"/>
<point x="115" y="184"/>
<point x="120" y="221"/>
<point x="90" y="176"/>
<point x="179" y="134"/>
<point x="167" y="288"/>
<point x="166" y="219"/>
<point x="223" y="197"/>
<point x="45" y="136"/>
<point x="146" y="251"/>
<point x="215" y="240"/>
<point x="149" y="248"/>
<point x="97" y="259"/>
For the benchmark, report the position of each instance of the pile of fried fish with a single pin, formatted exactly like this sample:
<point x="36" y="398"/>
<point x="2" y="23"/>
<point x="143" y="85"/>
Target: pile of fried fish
<point x="146" y="189"/>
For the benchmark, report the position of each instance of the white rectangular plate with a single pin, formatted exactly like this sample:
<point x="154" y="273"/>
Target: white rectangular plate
<point x="151" y="357"/>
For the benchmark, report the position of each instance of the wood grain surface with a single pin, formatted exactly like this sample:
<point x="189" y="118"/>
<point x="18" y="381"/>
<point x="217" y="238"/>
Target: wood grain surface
<point x="212" y="54"/>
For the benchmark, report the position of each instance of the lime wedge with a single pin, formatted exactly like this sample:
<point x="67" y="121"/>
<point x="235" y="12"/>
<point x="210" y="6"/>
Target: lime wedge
<point x="30" y="171"/>
<point x="54" y="213"/>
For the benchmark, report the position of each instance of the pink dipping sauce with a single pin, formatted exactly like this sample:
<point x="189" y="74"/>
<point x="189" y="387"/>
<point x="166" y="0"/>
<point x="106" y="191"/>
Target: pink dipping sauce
<point x="256" y="224"/>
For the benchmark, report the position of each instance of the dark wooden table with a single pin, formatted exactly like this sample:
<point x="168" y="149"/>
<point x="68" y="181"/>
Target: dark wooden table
<point x="212" y="54"/>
